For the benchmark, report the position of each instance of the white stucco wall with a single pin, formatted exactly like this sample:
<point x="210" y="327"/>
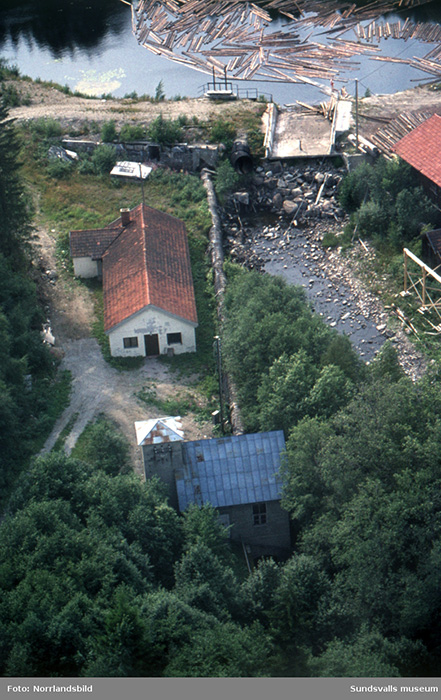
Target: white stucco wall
<point x="151" y="321"/>
<point x="85" y="267"/>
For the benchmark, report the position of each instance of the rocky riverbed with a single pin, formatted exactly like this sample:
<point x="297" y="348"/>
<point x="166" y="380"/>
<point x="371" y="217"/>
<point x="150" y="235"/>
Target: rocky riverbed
<point x="280" y="232"/>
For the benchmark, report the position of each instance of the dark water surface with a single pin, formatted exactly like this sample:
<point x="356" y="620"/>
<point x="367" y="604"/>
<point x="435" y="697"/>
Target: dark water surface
<point x="89" y="46"/>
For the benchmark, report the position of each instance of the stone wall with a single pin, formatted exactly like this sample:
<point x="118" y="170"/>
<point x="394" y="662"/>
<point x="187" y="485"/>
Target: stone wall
<point x="189" y="157"/>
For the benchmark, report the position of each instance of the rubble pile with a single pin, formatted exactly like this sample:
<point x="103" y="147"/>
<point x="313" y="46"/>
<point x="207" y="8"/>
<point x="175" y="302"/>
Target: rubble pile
<point x="303" y="192"/>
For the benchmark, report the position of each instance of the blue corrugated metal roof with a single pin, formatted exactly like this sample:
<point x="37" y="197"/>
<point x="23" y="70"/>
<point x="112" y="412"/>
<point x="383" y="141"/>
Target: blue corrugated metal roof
<point x="231" y="471"/>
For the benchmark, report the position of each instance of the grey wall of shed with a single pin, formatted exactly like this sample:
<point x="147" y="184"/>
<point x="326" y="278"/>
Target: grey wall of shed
<point x="271" y="538"/>
<point x="161" y="460"/>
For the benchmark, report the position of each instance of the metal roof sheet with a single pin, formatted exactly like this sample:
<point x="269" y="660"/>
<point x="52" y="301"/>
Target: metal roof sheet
<point x="158" y="430"/>
<point x="231" y="471"/>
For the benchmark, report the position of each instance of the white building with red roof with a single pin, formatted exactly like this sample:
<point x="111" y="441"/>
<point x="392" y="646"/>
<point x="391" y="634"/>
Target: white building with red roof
<point x="149" y="302"/>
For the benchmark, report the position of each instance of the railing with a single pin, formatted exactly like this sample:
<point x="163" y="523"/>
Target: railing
<point x="223" y="87"/>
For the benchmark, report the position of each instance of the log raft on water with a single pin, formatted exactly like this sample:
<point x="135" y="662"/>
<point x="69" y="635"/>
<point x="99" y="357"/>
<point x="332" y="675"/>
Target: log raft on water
<point x="237" y="40"/>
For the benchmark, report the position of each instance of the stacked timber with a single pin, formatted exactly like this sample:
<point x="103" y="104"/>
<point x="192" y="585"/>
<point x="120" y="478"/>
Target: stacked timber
<point x="388" y="135"/>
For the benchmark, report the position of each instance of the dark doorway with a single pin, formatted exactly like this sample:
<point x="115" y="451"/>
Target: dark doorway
<point x="151" y="345"/>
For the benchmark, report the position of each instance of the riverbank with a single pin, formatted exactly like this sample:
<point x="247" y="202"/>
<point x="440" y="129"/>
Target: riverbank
<point x="45" y="101"/>
<point x="42" y="101"/>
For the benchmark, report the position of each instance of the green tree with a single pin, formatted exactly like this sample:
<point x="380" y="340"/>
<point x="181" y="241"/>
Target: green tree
<point x="203" y="581"/>
<point x="386" y="364"/>
<point x="367" y="655"/>
<point x="223" y="651"/>
<point x="201" y="525"/>
<point x="300" y="602"/>
<point x="159" y="92"/>
<point x="330" y="393"/>
<point x="106" y="448"/>
<point x="123" y="647"/>
<point x="340" y="352"/>
<point x="259" y="589"/>
<point x="15" y="205"/>
<point x="265" y="319"/>
<point x="283" y="393"/>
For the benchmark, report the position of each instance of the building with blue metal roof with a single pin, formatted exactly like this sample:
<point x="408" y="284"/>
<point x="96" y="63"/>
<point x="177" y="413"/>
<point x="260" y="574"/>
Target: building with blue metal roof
<point x="238" y="475"/>
<point x="230" y="471"/>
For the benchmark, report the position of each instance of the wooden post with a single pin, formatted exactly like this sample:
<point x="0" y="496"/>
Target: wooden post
<point x="405" y="270"/>
<point x="424" y="286"/>
<point x="356" y="112"/>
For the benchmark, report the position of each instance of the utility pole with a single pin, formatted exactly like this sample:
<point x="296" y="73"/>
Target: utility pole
<point x="142" y="183"/>
<point x="356" y="112"/>
<point x="217" y="344"/>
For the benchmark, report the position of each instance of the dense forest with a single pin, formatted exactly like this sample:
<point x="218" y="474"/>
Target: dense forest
<point x="99" y="576"/>
<point x="362" y="484"/>
<point x="29" y="393"/>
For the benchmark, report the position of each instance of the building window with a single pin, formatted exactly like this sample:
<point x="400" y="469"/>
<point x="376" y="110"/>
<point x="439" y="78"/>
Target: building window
<point x="130" y="342"/>
<point x="174" y="338"/>
<point x="259" y="514"/>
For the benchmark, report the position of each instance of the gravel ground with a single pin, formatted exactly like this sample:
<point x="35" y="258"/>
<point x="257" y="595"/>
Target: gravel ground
<point x="98" y="388"/>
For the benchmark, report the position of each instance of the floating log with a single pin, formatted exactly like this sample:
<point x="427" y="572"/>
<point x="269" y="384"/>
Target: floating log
<point x="232" y="29"/>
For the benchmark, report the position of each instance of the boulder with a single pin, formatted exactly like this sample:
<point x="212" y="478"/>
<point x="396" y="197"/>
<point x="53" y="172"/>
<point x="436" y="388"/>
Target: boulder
<point x="277" y="200"/>
<point x="242" y="197"/>
<point x="289" y="207"/>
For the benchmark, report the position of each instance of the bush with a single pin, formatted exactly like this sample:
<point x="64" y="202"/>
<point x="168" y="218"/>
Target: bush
<point x="165" y="131"/>
<point x="226" y="180"/>
<point x="132" y="132"/>
<point x="46" y="128"/>
<point x="371" y="220"/>
<point x="10" y="96"/>
<point x="108" y="131"/>
<point x="330" y="240"/>
<point x="387" y="205"/>
<point x="104" y="158"/>
<point x="413" y="210"/>
<point x="354" y="188"/>
<point x="223" y="132"/>
<point x="59" y="169"/>
<point x="85" y="165"/>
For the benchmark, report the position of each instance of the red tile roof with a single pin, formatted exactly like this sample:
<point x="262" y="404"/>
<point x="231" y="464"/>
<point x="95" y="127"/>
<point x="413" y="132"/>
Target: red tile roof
<point x="148" y="264"/>
<point x="421" y="148"/>
<point x="92" y="243"/>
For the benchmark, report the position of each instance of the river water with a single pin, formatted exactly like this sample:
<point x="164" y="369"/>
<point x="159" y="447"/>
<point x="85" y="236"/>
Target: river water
<point x="88" y="45"/>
